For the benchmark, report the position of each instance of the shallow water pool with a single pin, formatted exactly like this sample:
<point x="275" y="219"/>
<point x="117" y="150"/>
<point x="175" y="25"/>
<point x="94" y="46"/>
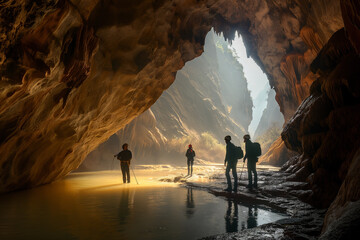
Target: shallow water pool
<point x="97" y="206"/>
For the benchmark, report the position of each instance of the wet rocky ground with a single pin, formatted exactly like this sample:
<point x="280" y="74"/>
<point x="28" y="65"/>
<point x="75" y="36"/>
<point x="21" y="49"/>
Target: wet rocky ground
<point x="275" y="192"/>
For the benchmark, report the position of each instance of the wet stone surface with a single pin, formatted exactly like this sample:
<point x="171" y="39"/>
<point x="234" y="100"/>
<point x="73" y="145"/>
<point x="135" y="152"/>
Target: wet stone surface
<point x="273" y="192"/>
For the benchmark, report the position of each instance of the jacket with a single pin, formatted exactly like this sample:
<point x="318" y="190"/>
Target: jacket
<point x="230" y="156"/>
<point x="248" y="154"/>
<point x="190" y="154"/>
<point x="124" y="155"/>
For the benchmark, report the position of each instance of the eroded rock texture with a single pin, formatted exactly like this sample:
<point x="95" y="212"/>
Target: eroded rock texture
<point x="325" y="127"/>
<point x="325" y="130"/>
<point x="75" y="72"/>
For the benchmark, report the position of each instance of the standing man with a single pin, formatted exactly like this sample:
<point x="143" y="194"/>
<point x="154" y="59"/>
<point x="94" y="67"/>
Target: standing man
<point x="231" y="161"/>
<point x="190" y="154"/>
<point x="125" y="157"/>
<point x="252" y="159"/>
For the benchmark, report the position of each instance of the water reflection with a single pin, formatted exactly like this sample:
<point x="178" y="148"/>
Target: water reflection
<point x="252" y="217"/>
<point x="231" y="217"/>
<point x="190" y="204"/>
<point x="250" y="220"/>
<point x="124" y="206"/>
<point x="96" y="206"/>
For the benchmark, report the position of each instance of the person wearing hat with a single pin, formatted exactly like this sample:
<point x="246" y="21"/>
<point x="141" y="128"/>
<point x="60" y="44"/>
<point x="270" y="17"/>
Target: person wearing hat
<point x="251" y="164"/>
<point x="190" y="154"/>
<point x="230" y="163"/>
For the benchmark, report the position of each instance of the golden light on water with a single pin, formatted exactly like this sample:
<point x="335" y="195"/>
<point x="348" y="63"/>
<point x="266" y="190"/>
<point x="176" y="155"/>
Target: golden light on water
<point x="111" y="180"/>
<point x="97" y="205"/>
<point x="147" y="176"/>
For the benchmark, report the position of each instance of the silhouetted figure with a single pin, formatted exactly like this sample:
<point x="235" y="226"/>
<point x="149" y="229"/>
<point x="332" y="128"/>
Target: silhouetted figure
<point x="190" y="154"/>
<point x="252" y="217"/>
<point x="230" y="163"/>
<point x="125" y="157"/>
<point x="231" y="219"/>
<point x="252" y="159"/>
<point x="190" y="204"/>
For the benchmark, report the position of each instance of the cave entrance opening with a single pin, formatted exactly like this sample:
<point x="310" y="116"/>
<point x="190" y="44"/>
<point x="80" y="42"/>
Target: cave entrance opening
<point x="221" y="92"/>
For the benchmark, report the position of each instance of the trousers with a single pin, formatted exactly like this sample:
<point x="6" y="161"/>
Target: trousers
<point x="190" y="164"/>
<point x="231" y="166"/>
<point x="251" y="166"/>
<point x="125" y="169"/>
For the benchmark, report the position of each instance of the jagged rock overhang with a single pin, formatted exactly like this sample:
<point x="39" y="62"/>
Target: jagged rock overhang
<point x="75" y="72"/>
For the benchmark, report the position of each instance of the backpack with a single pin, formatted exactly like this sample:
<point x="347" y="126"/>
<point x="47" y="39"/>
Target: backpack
<point x="239" y="152"/>
<point x="256" y="149"/>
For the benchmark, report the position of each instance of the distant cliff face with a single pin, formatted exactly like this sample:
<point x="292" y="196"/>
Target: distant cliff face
<point x="208" y="100"/>
<point x="270" y="124"/>
<point x="271" y="116"/>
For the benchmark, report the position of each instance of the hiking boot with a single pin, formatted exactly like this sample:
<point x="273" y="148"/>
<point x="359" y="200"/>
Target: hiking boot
<point x="255" y="186"/>
<point x="227" y="189"/>
<point x="235" y="189"/>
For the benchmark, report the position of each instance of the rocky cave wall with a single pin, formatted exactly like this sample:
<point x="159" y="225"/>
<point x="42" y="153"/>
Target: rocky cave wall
<point x="75" y="72"/>
<point x="325" y="128"/>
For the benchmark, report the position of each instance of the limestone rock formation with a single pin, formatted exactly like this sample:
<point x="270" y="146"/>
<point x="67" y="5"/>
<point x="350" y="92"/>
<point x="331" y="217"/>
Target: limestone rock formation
<point x="75" y="72"/>
<point x="268" y="131"/>
<point x="271" y="116"/>
<point x="324" y="127"/>
<point x="277" y="154"/>
<point x="325" y="131"/>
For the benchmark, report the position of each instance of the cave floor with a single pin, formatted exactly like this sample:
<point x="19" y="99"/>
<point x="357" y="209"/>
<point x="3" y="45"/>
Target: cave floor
<point x="274" y="192"/>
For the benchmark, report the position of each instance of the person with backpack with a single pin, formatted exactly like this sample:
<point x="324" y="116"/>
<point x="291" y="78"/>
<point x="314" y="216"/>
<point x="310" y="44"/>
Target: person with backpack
<point x="190" y="154"/>
<point x="253" y="151"/>
<point x="125" y="157"/>
<point x="230" y="163"/>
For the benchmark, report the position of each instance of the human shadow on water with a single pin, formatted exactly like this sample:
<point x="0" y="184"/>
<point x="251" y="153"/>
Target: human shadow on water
<point x="231" y="217"/>
<point x="190" y="204"/>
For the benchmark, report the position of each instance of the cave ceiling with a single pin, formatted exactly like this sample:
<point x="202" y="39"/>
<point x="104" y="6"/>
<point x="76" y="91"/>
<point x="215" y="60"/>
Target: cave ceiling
<point x="75" y="72"/>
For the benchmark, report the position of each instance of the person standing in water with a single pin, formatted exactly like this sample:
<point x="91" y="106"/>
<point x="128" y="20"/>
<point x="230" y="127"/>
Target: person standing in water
<point x="125" y="157"/>
<point x="190" y="154"/>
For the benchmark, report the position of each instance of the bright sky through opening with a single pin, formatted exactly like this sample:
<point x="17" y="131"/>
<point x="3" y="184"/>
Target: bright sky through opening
<point x="258" y="83"/>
